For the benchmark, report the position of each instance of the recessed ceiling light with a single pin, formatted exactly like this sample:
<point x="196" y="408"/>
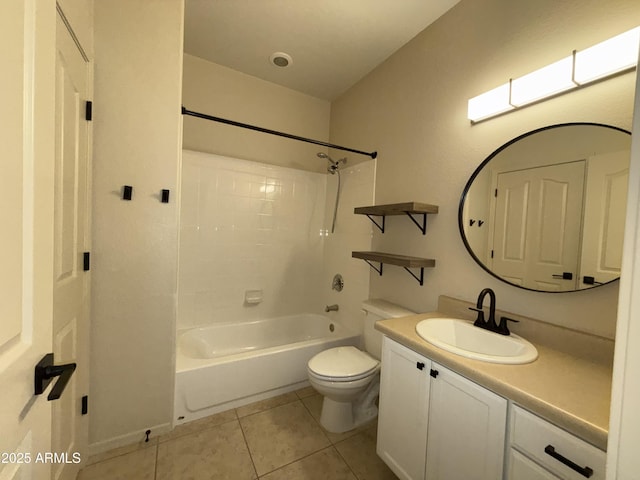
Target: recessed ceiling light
<point x="280" y="59"/>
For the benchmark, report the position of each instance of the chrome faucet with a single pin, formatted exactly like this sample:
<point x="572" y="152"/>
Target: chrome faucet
<point x="490" y="323"/>
<point x="331" y="308"/>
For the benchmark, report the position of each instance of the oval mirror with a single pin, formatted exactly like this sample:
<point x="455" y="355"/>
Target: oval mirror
<point x="546" y="210"/>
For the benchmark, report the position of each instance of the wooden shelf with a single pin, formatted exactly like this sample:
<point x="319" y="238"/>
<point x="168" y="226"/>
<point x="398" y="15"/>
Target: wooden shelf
<point x="396" y="209"/>
<point x="392" y="259"/>
<point x="400" y="260"/>
<point x="407" y="208"/>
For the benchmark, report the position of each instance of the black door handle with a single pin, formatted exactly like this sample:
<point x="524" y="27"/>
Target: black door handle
<point x="563" y="275"/>
<point x="47" y="371"/>
<point x="587" y="280"/>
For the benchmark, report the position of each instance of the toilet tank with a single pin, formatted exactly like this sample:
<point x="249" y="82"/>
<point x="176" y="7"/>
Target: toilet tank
<point x="377" y="309"/>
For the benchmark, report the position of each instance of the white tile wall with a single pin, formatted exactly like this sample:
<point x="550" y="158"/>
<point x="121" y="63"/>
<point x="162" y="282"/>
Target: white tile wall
<point x="353" y="232"/>
<point x="248" y="226"/>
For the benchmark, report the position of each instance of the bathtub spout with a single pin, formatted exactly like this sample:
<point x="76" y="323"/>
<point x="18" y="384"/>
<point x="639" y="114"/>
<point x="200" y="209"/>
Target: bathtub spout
<point x="331" y="308"/>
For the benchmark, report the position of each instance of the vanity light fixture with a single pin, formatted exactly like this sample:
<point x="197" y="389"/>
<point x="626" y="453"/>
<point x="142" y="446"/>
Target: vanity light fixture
<point x="545" y="82"/>
<point x="615" y="55"/>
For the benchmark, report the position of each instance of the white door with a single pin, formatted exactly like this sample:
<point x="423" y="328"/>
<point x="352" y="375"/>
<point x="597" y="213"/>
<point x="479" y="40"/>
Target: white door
<point x="537" y="226"/>
<point x="404" y="407"/>
<point x="604" y="217"/>
<point x="71" y="240"/>
<point x="27" y="55"/>
<point x="623" y="461"/>
<point x="466" y="435"/>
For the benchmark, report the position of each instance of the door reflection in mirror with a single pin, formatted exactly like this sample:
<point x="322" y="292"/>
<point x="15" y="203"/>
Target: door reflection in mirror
<point x="546" y="211"/>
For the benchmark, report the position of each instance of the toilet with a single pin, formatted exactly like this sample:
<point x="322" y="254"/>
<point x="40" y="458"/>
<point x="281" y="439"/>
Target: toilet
<point x="348" y="378"/>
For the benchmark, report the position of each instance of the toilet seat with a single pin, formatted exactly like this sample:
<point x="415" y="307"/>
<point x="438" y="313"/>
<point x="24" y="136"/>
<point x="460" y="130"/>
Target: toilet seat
<point x="342" y="364"/>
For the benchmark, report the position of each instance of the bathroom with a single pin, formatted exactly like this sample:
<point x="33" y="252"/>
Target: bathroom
<point x="411" y="109"/>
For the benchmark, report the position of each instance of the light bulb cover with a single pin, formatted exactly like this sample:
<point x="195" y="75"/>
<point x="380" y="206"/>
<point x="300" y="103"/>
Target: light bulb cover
<point x="544" y="82"/>
<point x="606" y="58"/>
<point x="489" y="104"/>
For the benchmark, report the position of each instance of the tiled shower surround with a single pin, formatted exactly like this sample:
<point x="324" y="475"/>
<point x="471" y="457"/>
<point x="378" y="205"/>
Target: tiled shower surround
<point x="248" y="226"/>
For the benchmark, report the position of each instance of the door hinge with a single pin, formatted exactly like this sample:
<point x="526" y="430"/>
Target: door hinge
<point x="85" y="405"/>
<point x="434" y="373"/>
<point x="88" y="111"/>
<point x="86" y="261"/>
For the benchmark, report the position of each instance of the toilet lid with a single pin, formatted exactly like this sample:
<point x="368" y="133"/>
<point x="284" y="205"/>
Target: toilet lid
<point x="340" y="362"/>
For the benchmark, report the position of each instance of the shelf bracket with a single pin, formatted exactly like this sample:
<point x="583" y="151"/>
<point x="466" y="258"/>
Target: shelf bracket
<point x="381" y="227"/>
<point x="374" y="267"/>
<point x="423" y="226"/>
<point x="420" y="278"/>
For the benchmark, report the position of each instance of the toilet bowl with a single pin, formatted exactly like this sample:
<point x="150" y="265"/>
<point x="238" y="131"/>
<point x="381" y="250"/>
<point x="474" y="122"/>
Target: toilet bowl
<point x="349" y="378"/>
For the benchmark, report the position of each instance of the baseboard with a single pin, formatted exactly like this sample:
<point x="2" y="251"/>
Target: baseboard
<point x="132" y="438"/>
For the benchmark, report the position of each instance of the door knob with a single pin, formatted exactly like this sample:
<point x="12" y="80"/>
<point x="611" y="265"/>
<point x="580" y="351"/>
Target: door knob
<point x="47" y="371"/>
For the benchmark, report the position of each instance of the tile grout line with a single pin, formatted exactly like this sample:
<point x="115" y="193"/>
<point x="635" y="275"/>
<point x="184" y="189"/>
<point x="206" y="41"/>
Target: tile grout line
<point x="266" y="409"/>
<point x="246" y="444"/>
<point x="355" y="431"/>
<point x="300" y="459"/>
<point x="333" y="444"/>
<point x="317" y="422"/>
<point x="346" y="463"/>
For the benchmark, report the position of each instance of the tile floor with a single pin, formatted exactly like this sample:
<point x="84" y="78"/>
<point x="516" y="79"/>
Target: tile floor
<point x="275" y="439"/>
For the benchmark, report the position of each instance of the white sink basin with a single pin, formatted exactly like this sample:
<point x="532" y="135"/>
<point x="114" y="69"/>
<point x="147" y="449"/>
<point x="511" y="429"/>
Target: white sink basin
<point x="461" y="337"/>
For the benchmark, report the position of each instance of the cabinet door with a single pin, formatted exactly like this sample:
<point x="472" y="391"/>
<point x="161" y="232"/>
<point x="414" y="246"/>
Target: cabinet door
<point x="521" y="468"/>
<point x="466" y="433"/>
<point x="404" y="405"/>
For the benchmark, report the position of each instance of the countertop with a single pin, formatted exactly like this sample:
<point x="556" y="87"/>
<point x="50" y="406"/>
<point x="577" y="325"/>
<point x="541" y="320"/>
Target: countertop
<point x="567" y="390"/>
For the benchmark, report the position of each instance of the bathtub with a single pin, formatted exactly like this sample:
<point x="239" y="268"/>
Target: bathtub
<point x="228" y="365"/>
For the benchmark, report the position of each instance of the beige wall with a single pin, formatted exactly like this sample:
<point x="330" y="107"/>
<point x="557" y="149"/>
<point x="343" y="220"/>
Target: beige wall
<point x="137" y="122"/>
<point x="222" y="92"/>
<point x="412" y="109"/>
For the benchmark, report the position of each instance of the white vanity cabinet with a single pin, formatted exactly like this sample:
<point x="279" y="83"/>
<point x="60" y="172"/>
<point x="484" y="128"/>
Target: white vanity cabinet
<point x="541" y="451"/>
<point x="434" y="424"/>
<point x="403" y="410"/>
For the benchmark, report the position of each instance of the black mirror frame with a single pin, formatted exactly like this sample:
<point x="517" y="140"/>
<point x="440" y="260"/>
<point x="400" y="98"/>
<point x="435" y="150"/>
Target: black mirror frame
<point x="477" y="172"/>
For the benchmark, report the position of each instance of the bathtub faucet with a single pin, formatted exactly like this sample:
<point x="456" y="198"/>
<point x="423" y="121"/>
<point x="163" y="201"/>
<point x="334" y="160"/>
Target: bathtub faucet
<point x="331" y="308"/>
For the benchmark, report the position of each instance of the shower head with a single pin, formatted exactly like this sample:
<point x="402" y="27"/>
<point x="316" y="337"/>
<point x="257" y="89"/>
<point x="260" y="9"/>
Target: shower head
<point x="334" y="164"/>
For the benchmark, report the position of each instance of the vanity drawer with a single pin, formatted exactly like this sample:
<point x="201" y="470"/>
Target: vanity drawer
<point x="558" y="451"/>
<point x="521" y="468"/>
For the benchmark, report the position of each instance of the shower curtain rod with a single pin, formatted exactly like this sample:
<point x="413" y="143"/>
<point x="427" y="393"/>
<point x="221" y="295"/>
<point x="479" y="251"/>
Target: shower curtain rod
<point x="274" y="132"/>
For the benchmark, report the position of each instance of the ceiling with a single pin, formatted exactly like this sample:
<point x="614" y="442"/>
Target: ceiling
<point x="333" y="43"/>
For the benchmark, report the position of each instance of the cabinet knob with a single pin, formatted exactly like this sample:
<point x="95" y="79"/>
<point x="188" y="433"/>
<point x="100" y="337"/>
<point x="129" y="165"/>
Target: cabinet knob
<point x="434" y="373"/>
<point x="420" y="365"/>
